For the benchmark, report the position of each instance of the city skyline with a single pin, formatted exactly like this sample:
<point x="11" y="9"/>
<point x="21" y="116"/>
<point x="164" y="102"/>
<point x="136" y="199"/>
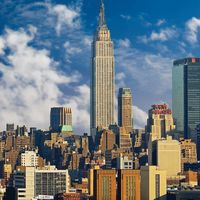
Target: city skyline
<point x="65" y="84"/>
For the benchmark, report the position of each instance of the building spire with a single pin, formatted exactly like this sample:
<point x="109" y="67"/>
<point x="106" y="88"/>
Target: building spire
<point x="102" y="15"/>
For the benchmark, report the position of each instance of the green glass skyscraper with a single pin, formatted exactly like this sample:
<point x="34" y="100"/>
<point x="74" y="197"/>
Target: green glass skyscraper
<point x="186" y="95"/>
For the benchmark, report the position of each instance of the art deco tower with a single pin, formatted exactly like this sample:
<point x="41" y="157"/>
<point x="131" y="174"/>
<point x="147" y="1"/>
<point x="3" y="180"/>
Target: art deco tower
<point x="102" y="77"/>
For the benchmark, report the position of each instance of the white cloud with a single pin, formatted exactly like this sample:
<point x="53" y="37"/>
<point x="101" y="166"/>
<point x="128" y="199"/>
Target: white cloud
<point x="126" y="17"/>
<point x="139" y="117"/>
<point x="163" y="35"/>
<point x="192" y="27"/>
<point x="160" y="22"/>
<point x="66" y="17"/>
<point x="151" y="72"/>
<point x="124" y="42"/>
<point x="30" y="84"/>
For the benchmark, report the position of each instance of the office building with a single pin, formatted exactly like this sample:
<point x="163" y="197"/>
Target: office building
<point x="45" y="181"/>
<point x="10" y="127"/>
<point x="102" y="100"/>
<point x="153" y="183"/>
<point x="59" y="117"/>
<point x="129" y="185"/>
<point x="166" y="154"/>
<point x="160" y="121"/>
<point x="186" y="95"/>
<point x="29" y="159"/>
<point x="105" y="184"/>
<point x="125" y="118"/>
<point x="188" y="152"/>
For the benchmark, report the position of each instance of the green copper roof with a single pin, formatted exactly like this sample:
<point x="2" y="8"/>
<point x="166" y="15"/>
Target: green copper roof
<point x="66" y="128"/>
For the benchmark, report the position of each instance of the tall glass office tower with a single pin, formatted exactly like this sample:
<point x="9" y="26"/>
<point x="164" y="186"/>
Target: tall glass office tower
<point x="186" y="95"/>
<point x="102" y="102"/>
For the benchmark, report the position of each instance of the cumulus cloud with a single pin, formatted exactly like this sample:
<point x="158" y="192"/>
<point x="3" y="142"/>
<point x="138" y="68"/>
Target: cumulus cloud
<point x="151" y="72"/>
<point x="163" y="35"/>
<point x="192" y="27"/>
<point x="30" y="83"/>
<point x="139" y="117"/>
<point x="65" y="17"/>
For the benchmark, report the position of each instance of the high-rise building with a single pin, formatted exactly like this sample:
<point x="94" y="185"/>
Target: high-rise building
<point x="59" y="117"/>
<point x="29" y="159"/>
<point x="186" y="95"/>
<point x="153" y="183"/>
<point x="102" y="100"/>
<point x="188" y="152"/>
<point x="160" y="121"/>
<point x="125" y="109"/>
<point x="46" y="181"/>
<point x="166" y="154"/>
<point x="10" y="127"/>
<point x="105" y="184"/>
<point x="129" y="185"/>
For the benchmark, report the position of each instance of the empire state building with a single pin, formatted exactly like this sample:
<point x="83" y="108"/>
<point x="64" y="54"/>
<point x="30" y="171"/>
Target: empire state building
<point x="102" y="102"/>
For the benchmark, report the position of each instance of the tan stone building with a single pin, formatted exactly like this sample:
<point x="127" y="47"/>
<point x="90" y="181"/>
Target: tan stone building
<point x="125" y="141"/>
<point x="125" y="109"/>
<point x="102" y="100"/>
<point x="106" y="140"/>
<point x="166" y="154"/>
<point x="153" y="183"/>
<point x="188" y="152"/>
<point x="105" y="184"/>
<point x="160" y="121"/>
<point x="129" y="185"/>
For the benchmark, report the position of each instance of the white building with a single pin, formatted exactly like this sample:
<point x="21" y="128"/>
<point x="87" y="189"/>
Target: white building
<point x="29" y="159"/>
<point x="40" y="182"/>
<point x="123" y="162"/>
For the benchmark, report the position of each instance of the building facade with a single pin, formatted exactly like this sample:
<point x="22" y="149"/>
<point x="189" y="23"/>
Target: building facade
<point x="102" y="100"/>
<point x="105" y="184"/>
<point x="168" y="156"/>
<point x="125" y="109"/>
<point x="153" y="183"/>
<point x="60" y="116"/>
<point x="186" y="95"/>
<point x="188" y="152"/>
<point x="129" y="185"/>
<point x="160" y="121"/>
<point x="29" y="159"/>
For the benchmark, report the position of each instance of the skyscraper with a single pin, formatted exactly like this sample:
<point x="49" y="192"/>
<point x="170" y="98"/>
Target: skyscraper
<point x="186" y="95"/>
<point x="102" y="103"/>
<point x="60" y="116"/>
<point x="160" y="121"/>
<point x="125" y="109"/>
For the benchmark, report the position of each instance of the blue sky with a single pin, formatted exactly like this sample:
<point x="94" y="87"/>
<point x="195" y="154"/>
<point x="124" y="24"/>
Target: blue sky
<point x="45" y="54"/>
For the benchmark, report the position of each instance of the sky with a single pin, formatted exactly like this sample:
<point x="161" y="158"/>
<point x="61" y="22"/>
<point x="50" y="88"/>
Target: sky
<point x="45" y="51"/>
